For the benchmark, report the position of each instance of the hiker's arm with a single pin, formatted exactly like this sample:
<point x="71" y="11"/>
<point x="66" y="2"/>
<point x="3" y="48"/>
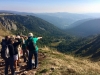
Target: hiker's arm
<point x="39" y="37"/>
<point x="19" y="42"/>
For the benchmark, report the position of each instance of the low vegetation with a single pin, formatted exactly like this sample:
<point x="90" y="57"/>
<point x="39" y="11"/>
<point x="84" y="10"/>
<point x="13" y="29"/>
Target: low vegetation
<point x="56" y="63"/>
<point x="4" y="33"/>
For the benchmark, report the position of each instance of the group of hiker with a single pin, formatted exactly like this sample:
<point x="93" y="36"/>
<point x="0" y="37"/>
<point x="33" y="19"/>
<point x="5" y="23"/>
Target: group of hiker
<point x="13" y="46"/>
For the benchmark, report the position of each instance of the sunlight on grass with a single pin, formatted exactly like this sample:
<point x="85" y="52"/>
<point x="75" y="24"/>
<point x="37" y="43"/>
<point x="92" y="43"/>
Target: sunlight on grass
<point x="57" y="63"/>
<point x="4" y="33"/>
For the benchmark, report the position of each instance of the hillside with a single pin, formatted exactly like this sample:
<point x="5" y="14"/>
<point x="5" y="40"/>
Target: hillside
<point x="77" y="23"/>
<point x="56" y="63"/>
<point x="92" y="49"/>
<point x="3" y="32"/>
<point x="52" y="62"/>
<point x="25" y="24"/>
<point x="90" y="27"/>
<point x="88" y="47"/>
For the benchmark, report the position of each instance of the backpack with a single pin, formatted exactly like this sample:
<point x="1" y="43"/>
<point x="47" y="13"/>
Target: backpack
<point x="31" y="45"/>
<point x="5" y="52"/>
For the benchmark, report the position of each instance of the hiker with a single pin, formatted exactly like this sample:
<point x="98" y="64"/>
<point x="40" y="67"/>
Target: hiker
<point x="4" y="43"/>
<point x="19" y="47"/>
<point x="9" y="60"/>
<point x="32" y="50"/>
<point x="15" y="44"/>
<point x="24" y="48"/>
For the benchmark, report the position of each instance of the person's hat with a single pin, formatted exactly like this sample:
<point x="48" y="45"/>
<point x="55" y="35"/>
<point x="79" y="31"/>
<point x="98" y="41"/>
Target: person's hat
<point x="30" y="34"/>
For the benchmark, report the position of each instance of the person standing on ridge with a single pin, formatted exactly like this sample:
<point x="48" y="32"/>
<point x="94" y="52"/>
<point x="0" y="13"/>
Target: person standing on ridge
<point x="24" y="48"/>
<point x="33" y="50"/>
<point x="4" y="43"/>
<point x="16" y="44"/>
<point x="9" y="61"/>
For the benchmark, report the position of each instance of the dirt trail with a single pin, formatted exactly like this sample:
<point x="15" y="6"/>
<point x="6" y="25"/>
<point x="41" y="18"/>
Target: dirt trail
<point x="22" y="68"/>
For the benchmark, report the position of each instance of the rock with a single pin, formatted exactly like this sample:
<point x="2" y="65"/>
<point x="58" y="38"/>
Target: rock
<point x="8" y="24"/>
<point x="52" y="68"/>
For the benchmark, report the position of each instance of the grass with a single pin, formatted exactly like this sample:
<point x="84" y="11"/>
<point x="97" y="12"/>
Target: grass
<point x="4" y="33"/>
<point x="57" y="63"/>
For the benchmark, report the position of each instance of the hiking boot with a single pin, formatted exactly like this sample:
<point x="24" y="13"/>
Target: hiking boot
<point x="35" y="68"/>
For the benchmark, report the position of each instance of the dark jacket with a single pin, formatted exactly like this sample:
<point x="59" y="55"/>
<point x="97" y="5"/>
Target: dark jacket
<point x="4" y="43"/>
<point x="16" y="46"/>
<point x="11" y="50"/>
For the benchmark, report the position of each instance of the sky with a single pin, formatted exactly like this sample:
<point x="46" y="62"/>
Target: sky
<point x="44" y="6"/>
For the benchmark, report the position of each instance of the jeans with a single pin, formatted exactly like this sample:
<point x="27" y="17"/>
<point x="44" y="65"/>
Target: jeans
<point x="35" y="53"/>
<point x="9" y="61"/>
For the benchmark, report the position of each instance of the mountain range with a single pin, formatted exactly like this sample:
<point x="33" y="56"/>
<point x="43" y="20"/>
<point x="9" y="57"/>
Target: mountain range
<point x="61" y="20"/>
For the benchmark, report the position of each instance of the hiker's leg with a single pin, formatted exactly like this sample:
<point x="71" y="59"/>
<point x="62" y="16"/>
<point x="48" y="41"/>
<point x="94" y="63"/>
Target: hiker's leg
<point x="15" y="60"/>
<point x="6" y="66"/>
<point x="11" y="63"/>
<point x="23" y="52"/>
<point x="27" y="54"/>
<point x="26" y="51"/>
<point x="15" y="64"/>
<point x="19" y="55"/>
<point x="36" y="58"/>
<point x="30" y="60"/>
<point x="24" y="56"/>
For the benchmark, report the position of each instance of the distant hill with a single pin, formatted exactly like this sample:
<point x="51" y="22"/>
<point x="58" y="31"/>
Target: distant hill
<point x="61" y="20"/>
<point x="77" y="23"/>
<point x="29" y="23"/>
<point x="86" y="28"/>
<point x="95" y="15"/>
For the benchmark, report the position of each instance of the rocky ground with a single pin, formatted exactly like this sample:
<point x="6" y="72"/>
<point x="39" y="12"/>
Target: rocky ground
<point x="21" y="70"/>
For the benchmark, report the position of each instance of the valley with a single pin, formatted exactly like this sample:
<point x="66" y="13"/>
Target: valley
<point x="72" y="51"/>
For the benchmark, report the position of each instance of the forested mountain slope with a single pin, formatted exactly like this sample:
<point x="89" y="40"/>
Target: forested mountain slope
<point x="90" y="27"/>
<point x="92" y="49"/>
<point x="86" y="47"/>
<point x="29" y="23"/>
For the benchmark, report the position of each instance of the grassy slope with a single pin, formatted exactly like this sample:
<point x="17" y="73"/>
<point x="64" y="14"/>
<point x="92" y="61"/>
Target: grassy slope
<point x="55" y="63"/>
<point x="3" y="32"/>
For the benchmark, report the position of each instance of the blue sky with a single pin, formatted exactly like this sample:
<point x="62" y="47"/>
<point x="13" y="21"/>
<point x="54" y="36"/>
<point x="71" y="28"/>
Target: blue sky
<point x="72" y="6"/>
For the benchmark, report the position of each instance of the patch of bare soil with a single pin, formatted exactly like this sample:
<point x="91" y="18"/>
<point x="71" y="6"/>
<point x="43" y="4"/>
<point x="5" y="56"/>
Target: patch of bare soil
<point x="22" y="67"/>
